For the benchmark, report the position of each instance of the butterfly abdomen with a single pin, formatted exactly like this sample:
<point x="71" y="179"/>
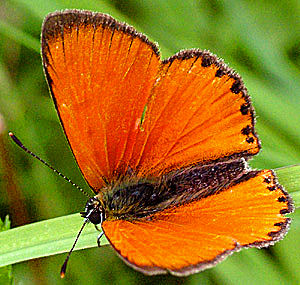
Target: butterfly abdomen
<point x="138" y="199"/>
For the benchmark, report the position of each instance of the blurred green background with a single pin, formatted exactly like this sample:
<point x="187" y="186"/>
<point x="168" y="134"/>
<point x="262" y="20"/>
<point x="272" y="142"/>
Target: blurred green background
<point x="259" y="39"/>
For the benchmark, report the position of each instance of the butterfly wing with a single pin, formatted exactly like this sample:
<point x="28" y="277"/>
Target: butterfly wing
<point x="195" y="236"/>
<point x="122" y="108"/>
<point x="199" y="111"/>
<point x="100" y="73"/>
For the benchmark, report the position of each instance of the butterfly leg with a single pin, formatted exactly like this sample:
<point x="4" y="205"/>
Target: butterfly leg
<point x="99" y="237"/>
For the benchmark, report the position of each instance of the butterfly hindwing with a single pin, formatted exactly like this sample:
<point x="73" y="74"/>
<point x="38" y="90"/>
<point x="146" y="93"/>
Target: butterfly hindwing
<point x="197" y="235"/>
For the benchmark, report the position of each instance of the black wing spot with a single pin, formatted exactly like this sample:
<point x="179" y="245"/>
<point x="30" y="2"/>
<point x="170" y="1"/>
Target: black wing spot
<point x="207" y="60"/>
<point x="272" y="188"/>
<point x="267" y="180"/>
<point x="284" y="211"/>
<point x="237" y="86"/>
<point x="245" y="109"/>
<point x="247" y="130"/>
<point x="250" y="140"/>
<point x="282" y="199"/>
<point x="220" y="72"/>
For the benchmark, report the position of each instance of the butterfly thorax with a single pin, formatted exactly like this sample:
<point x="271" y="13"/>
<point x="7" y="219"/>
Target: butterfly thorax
<point x="138" y="198"/>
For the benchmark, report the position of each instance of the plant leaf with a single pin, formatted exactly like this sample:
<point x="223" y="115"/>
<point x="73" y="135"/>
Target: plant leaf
<point x="45" y="238"/>
<point x="5" y="272"/>
<point x="289" y="177"/>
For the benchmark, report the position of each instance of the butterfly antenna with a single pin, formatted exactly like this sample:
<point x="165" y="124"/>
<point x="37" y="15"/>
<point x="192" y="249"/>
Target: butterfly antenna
<point x="19" y="143"/>
<point x="64" y="267"/>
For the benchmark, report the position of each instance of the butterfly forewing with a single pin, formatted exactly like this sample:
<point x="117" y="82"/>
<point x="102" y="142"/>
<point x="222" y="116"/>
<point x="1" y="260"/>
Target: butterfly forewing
<point x="199" y="111"/>
<point x="100" y="73"/>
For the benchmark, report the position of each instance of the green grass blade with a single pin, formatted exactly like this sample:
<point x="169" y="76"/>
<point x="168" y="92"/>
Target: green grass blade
<point x="45" y="238"/>
<point x="289" y="177"/>
<point x="6" y="271"/>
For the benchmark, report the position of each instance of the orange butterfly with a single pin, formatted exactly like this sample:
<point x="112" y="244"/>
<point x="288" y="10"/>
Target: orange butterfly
<point x="163" y="144"/>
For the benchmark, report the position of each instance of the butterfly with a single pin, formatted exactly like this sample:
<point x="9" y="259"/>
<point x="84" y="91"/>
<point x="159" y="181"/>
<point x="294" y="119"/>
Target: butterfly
<point x="163" y="144"/>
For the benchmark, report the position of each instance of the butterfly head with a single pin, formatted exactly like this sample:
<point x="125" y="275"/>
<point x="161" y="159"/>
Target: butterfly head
<point x="93" y="211"/>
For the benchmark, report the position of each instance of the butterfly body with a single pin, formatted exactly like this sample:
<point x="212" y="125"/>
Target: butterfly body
<point x="135" y="198"/>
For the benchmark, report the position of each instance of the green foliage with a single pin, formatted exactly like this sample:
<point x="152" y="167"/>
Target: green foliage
<point x="260" y="39"/>
<point x="46" y="238"/>
<point x="289" y="176"/>
<point x="6" y="271"/>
